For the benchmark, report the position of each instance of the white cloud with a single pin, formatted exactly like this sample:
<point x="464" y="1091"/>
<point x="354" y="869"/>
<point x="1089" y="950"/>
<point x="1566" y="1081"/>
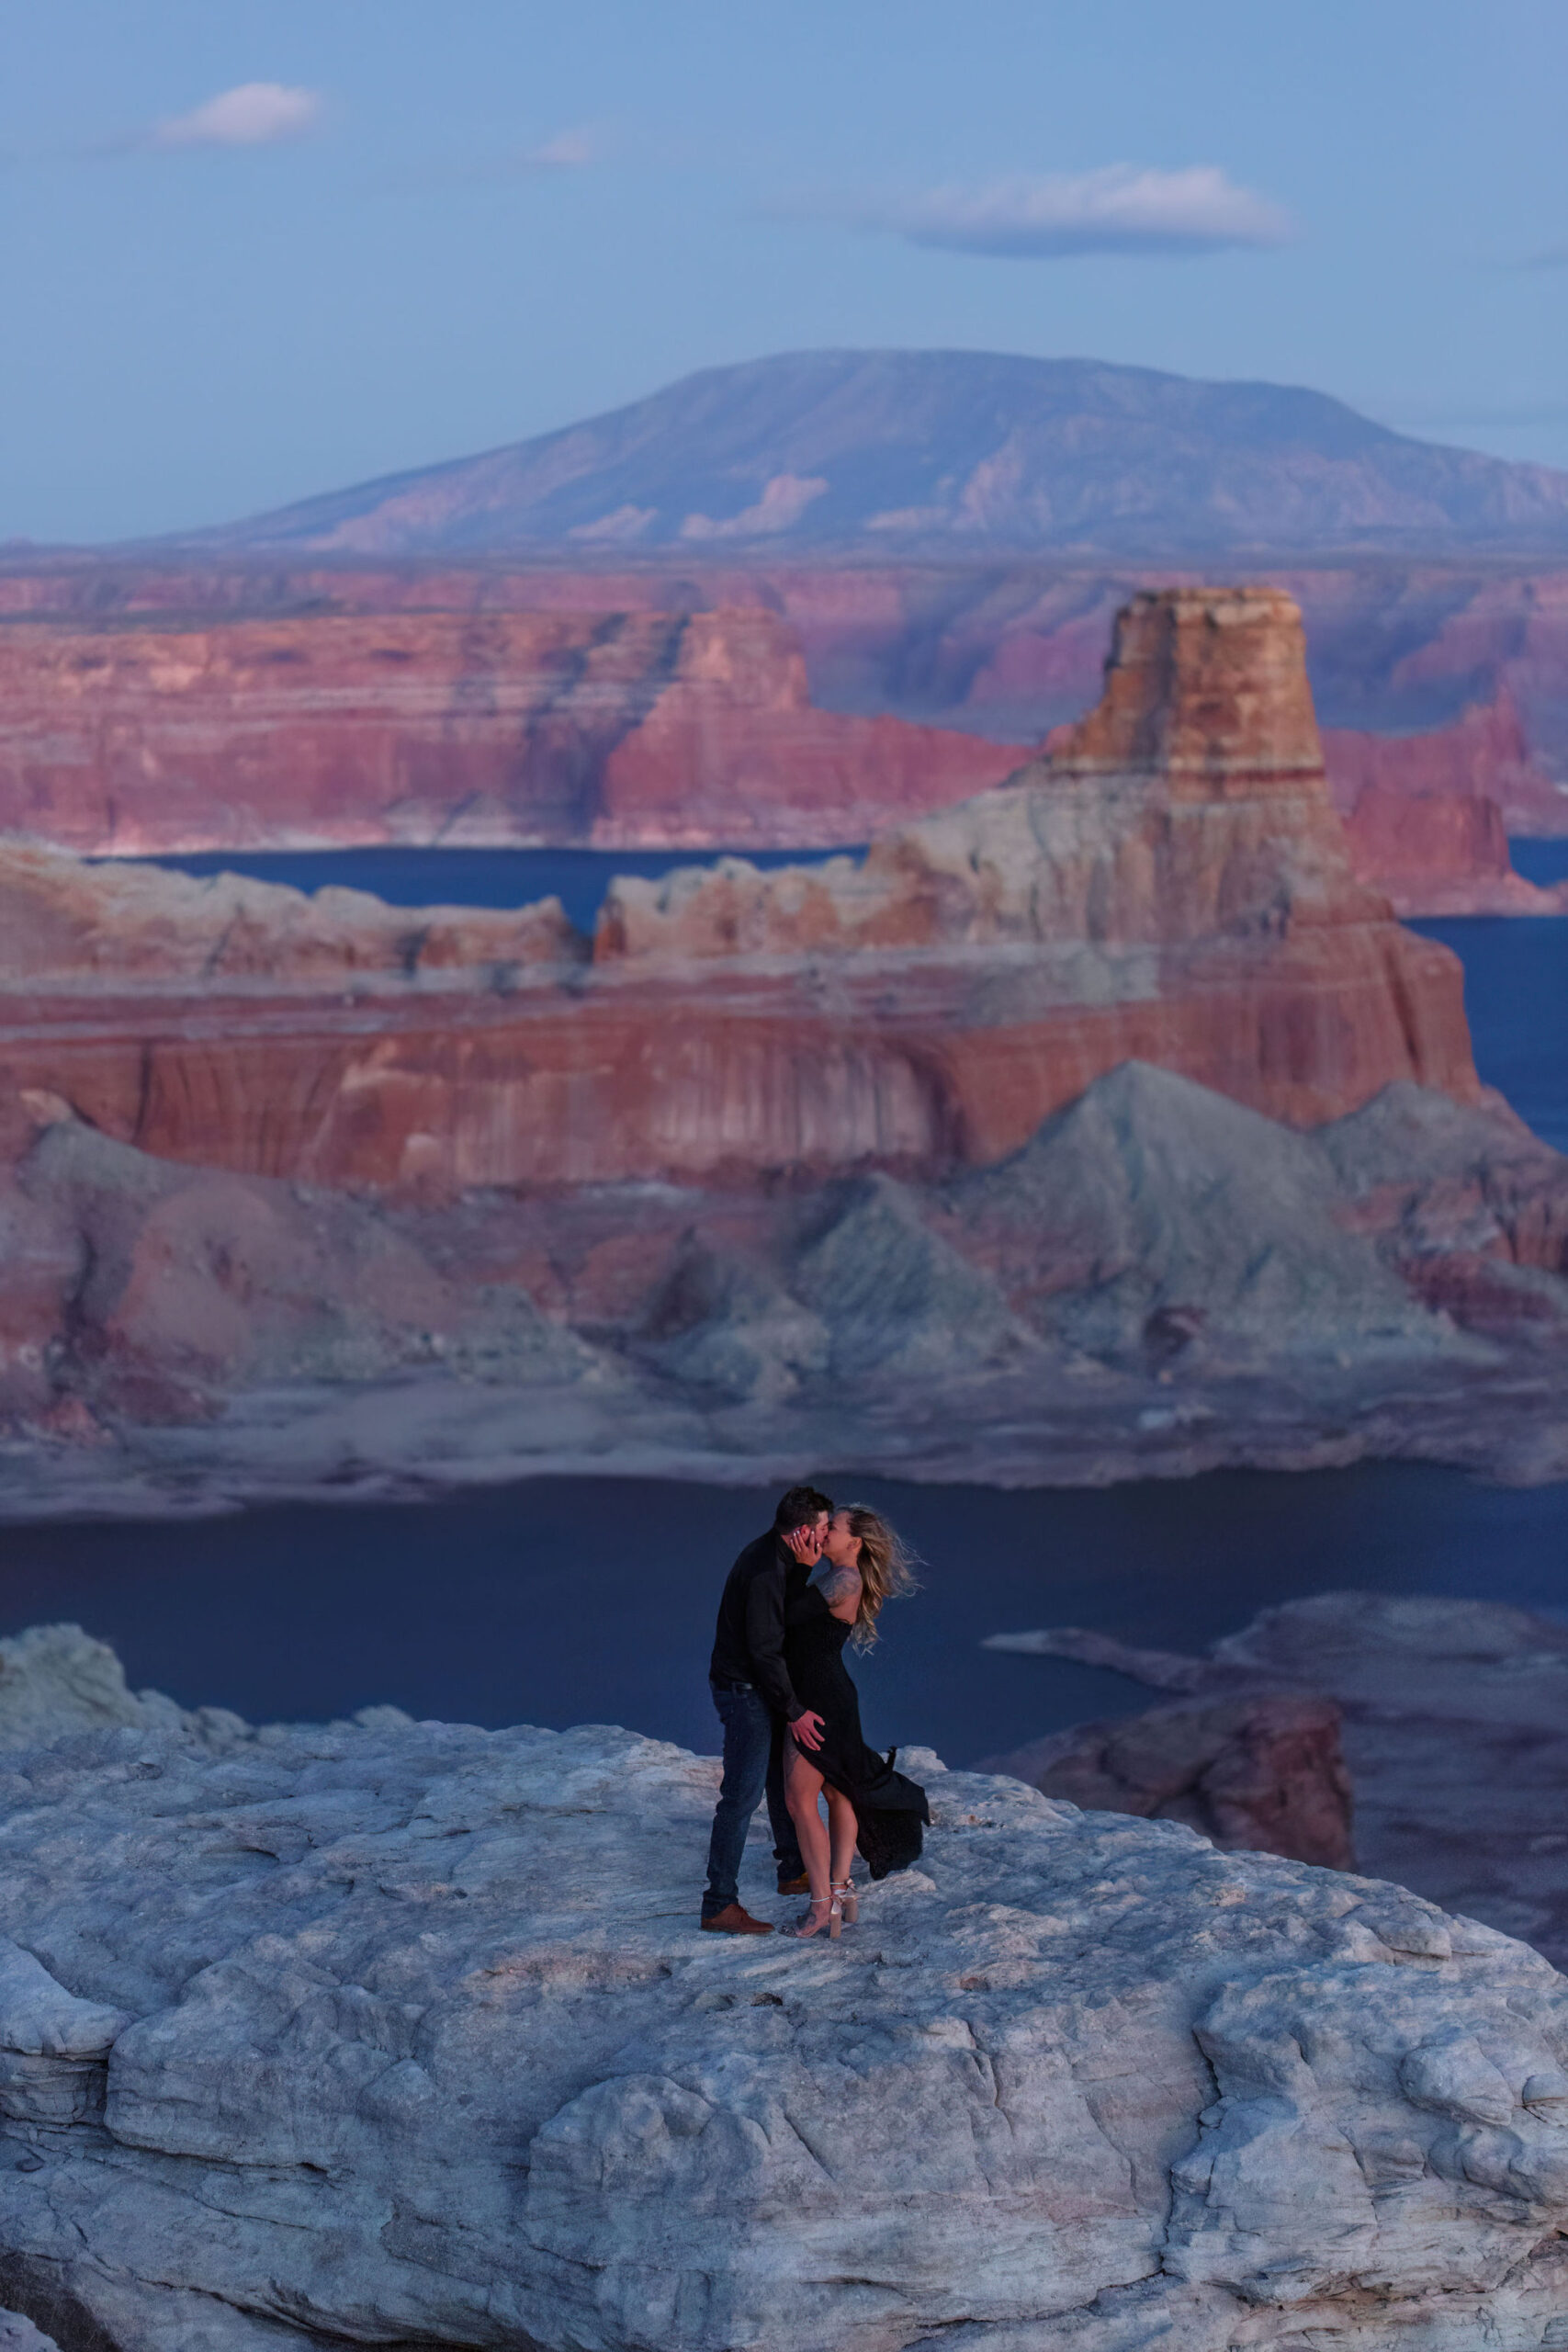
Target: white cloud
<point x="564" y="151"/>
<point x="1122" y="209"/>
<point x="256" y="114"/>
<point x="568" y="150"/>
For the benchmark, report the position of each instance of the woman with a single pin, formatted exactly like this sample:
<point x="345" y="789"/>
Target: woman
<point x="869" y="1804"/>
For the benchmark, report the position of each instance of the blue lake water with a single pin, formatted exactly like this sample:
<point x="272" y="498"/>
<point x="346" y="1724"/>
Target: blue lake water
<point x="576" y="1599"/>
<point x="1515" y="995"/>
<point x="469" y="878"/>
<point x="566" y="1601"/>
<point x="1542" y="862"/>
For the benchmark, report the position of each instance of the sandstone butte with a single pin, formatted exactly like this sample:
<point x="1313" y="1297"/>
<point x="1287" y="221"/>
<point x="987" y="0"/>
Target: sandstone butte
<point x="615" y="714"/>
<point x="1171" y="883"/>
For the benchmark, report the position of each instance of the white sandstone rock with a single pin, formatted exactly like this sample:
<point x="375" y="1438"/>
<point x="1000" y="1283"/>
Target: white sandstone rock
<point x="19" y="2335"/>
<point x="412" y="2039"/>
<point x="55" y="1678"/>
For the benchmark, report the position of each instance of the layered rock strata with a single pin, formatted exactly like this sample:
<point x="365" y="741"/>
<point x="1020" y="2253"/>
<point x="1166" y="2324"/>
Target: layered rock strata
<point x="404" y="2033"/>
<point x="614" y="727"/>
<point x="1425" y="812"/>
<point x="1395" y="652"/>
<point x="287" y="706"/>
<point x="1160" y="1281"/>
<point x="852" y="1162"/>
<point x="1171" y="884"/>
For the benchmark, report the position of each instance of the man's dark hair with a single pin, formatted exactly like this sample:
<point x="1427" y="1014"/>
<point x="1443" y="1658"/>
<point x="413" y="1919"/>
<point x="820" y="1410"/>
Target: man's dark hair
<point x="802" y="1507"/>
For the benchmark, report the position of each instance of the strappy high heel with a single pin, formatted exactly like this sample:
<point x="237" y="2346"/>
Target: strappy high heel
<point x="810" y="1924"/>
<point x="849" y="1902"/>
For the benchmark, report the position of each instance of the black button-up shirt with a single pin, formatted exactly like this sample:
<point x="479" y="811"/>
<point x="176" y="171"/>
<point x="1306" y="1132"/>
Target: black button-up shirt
<point x="749" y="1644"/>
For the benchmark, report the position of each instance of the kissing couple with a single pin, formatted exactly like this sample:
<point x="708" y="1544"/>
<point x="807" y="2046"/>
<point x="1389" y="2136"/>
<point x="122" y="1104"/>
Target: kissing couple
<point x="815" y="1581"/>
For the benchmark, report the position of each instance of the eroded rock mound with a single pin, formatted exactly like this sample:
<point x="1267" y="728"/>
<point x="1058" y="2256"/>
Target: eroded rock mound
<point x="1263" y="1775"/>
<point x="55" y="1679"/>
<point x="1180" y="1222"/>
<point x="1160" y="1281"/>
<point x="186" y="1284"/>
<point x="404" y="2033"/>
<point x="1454" y="1731"/>
<point x="1104" y="1124"/>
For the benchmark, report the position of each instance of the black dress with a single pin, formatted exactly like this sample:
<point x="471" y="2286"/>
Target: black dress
<point x="889" y="1809"/>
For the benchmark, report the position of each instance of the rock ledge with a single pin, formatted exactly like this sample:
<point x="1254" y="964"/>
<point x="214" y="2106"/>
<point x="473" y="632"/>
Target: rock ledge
<point x="402" y="2033"/>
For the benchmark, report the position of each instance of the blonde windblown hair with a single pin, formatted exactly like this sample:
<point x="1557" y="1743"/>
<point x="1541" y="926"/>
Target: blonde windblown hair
<point x="887" y="1569"/>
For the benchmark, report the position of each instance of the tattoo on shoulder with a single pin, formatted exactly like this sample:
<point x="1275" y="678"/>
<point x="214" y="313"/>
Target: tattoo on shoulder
<point x="841" y="1585"/>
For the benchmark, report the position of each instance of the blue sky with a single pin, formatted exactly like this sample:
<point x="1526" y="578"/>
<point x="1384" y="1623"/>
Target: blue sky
<point x="256" y="249"/>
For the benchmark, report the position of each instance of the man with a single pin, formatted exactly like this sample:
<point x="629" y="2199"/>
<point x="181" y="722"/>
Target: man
<point x="756" y="1704"/>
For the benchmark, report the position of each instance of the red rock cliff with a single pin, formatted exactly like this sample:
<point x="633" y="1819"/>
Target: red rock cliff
<point x="1425" y="812"/>
<point x="620" y="727"/>
<point x="1190" y="806"/>
<point x="325" y="704"/>
<point x="1173" y="886"/>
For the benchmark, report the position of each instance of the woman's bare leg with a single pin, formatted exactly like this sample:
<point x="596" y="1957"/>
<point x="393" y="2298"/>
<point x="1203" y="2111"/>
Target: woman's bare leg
<point x="842" y="1830"/>
<point x="803" y="1787"/>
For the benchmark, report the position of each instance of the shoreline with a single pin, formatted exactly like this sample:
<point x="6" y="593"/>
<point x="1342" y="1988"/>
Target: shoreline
<point x="427" y="1441"/>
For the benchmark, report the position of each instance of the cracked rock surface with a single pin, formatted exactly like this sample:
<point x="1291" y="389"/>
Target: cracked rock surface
<point x="397" y="2033"/>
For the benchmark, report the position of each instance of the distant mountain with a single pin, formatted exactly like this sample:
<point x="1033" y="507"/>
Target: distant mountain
<point x="930" y="452"/>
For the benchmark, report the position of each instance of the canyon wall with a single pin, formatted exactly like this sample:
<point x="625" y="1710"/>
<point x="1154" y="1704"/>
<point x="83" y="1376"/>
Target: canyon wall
<point x="1013" y="646"/>
<point x="1427" y="814"/>
<point x="613" y="727"/>
<point x="312" y="711"/>
<point x="1171" y="884"/>
<point x="148" y="708"/>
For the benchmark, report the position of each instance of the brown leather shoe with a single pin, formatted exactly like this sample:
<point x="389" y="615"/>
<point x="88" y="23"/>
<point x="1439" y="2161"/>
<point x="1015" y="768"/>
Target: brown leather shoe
<point x="734" y="1920"/>
<point x="801" y="1885"/>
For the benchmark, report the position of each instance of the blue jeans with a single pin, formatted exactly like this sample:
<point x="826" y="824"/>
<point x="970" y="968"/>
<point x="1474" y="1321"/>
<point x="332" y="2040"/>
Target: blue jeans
<point x="753" y="1761"/>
